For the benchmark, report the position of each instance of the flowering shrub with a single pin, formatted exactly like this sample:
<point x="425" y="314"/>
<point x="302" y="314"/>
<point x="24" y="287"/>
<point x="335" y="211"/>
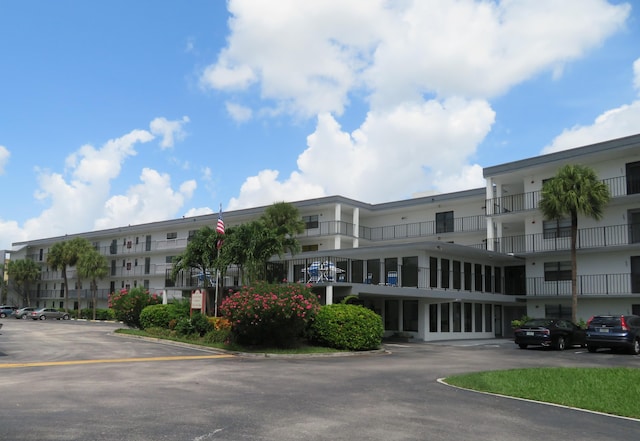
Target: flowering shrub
<point x="270" y="314"/>
<point x="127" y="305"/>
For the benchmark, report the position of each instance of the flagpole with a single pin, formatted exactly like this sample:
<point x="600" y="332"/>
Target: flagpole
<point x="220" y="231"/>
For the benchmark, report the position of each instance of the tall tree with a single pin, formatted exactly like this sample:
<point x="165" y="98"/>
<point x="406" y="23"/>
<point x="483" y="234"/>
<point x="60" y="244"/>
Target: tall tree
<point x="23" y="272"/>
<point x="63" y="255"/>
<point x="93" y="266"/>
<point x="574" y="190"/>
<point x="200" y="254"/>
<point x="285" y="221"/>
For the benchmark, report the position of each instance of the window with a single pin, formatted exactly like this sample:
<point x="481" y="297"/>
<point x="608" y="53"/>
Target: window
<point x="410" y="315"/>
<point x="444" y="222"/>
<point x="457" y="316"/>
<point x="487" y="279"/>
<point x="310" y="222"/>
<point x="190" y="236"/>
<point x="634" y="226"/>
<point x="308" y="248"/>
<point x="433" y="272"/>
<point x="457" y="275"/>
<point x="633" y="178"/>
<point x="433" y="318"/>
<point x="478" y="316"/>
<point x="444" y="273"/>
<point x="169" y="259"/>
<point x="467" y="276"/>
<point x="468" y="317"/>
<point x="557" y="271"/>
<point x="635" y="274"/>
<point x="391" y="313"/>
<point x="558" y="311"/>
<point x="444" y="317"/>
<point x="172" y="235"/>
<point x="478" y="277"/>
<point x="488" y="319"/>
<point x="553" y="229"/>
<point x="497" y="280"/>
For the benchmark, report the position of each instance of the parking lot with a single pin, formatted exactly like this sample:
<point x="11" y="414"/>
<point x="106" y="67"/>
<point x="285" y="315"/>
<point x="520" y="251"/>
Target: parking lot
<point x="68" y="380"/>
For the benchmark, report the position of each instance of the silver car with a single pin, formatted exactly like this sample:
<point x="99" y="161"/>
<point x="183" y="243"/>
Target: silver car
<point x="24" y="313"/>
<point x="49" y="313"/>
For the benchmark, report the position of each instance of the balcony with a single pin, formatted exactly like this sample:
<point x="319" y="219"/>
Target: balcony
<point x="618" y="187"/>
<point x="588" y="238"/>
<point x="587" y="285"/>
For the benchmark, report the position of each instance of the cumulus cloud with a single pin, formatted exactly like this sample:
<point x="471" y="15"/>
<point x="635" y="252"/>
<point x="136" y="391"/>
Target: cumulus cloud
<point x="170" y="131"/>
<point x="239" y="113"/>
<point x="426" y="69"/>
<point x="4" y="158"/>
<point x="80" y="199"/>
<point x="614" y="123"/>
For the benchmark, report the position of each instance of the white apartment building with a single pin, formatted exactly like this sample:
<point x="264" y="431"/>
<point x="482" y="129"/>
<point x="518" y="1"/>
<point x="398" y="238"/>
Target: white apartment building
<point x="450" y="266"/>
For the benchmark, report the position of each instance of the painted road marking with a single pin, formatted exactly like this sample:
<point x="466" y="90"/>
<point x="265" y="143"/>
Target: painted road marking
<point x="112" y="360"/>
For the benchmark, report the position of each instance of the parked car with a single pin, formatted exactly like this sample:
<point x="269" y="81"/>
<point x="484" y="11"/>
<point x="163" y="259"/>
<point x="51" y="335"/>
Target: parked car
<point x="6" y="310"/>
<point x="614" y="332"/>
<point x="49" y="313"/>
<point x="550" y="332"/>
<point x="24" y="313"/>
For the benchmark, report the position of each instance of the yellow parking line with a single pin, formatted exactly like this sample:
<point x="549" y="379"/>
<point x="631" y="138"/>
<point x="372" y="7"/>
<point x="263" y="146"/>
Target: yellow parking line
<point x="111" y="360"/>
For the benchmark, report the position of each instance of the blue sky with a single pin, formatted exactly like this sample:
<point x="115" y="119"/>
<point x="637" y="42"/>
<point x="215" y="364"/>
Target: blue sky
<point x="119" y="112"/>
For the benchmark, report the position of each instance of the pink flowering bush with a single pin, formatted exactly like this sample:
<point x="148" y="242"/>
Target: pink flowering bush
<point x="270" y="314"/>
<point x="127" y="305"/>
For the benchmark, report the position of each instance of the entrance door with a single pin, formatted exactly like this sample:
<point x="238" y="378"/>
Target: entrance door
<point x="497" y="320"/>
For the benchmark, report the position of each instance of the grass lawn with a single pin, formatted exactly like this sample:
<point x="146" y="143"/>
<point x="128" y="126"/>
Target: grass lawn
<point x="607" y="390"/>
<point x="303" y="349"/>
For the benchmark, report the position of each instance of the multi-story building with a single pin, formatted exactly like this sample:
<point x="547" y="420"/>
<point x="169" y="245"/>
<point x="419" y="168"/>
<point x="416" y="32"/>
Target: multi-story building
<point x="448" y="266"/>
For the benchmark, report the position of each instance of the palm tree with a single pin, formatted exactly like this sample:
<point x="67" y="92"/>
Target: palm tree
<point x="92" y="265"/>
<point x="284" y="219"/>
<point x="23" y="271"/>
<point x="63" y="255"/>
<point x="574" y="190"/>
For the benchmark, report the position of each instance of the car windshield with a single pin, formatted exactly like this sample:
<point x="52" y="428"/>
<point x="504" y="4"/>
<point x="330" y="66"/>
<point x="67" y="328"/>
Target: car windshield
<point x="538" y="323"/>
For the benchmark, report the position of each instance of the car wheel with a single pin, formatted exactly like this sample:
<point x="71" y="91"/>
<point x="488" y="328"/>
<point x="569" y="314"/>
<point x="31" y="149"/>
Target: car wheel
<point x="43" y="317"/>
<point x="65" y="317"/>
<point x="24" y="317"/>
<point x="522" y="346"/>
<point x="591" y="348"/>
<point x="635" y="347"/>
<point x="2" y="315"/>
<point x="560" y="343"/>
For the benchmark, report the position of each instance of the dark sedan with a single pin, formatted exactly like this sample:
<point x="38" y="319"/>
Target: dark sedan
<point x="550" y="332"/>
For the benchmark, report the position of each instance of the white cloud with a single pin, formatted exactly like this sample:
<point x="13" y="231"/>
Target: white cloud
<point x="170" y="131"/>
<point x="425" y="68"/>
<point x="4" y="158"/>
<point x="151" y="200"/>
<point x="76" y="198"/>
<point x="238" y="112"/>
<point x="614" y="123"/>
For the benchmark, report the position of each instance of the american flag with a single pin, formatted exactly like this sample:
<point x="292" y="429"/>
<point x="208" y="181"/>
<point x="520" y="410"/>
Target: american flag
<point x="220" y="225"/>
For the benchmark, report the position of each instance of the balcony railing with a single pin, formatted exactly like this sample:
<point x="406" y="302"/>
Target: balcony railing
<point x="587" y="285"/>
<point x="595" y="237"/>
<point x="618" y="187"/>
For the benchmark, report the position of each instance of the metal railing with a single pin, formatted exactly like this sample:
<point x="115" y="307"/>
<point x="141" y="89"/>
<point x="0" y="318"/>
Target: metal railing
<point x="587" y="285"/>
<point x="595" y="237"/>
<point x="618" y="186"/>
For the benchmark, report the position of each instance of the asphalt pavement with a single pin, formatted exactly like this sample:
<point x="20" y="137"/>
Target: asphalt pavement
<point x="78" y="381"/>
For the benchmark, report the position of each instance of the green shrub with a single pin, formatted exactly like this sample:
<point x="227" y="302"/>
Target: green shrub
<point x="180" y="308"/>
<point x="217" y="336"/>
<point x="184" y="327"/>
<point x="201" y="325"/>
<point x="350" y="327"/>
<point x="127" y="305"/>
<point x="270" y="314"/>
<point x="155" y="316"/>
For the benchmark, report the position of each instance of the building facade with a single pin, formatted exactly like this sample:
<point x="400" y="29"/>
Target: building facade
<point x="450" y="266"/>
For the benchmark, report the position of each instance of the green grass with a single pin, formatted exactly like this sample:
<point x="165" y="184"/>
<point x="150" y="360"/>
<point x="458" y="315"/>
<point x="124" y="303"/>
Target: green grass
<point x="303" y="349"/>
<point x="608" y="390"/>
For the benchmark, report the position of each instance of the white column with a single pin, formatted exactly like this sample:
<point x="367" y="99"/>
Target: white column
<point x="337" y="217"/>
<point x="356" y="227"/>
<point x="329" y="295"/>
<point x="489" y="209"/>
